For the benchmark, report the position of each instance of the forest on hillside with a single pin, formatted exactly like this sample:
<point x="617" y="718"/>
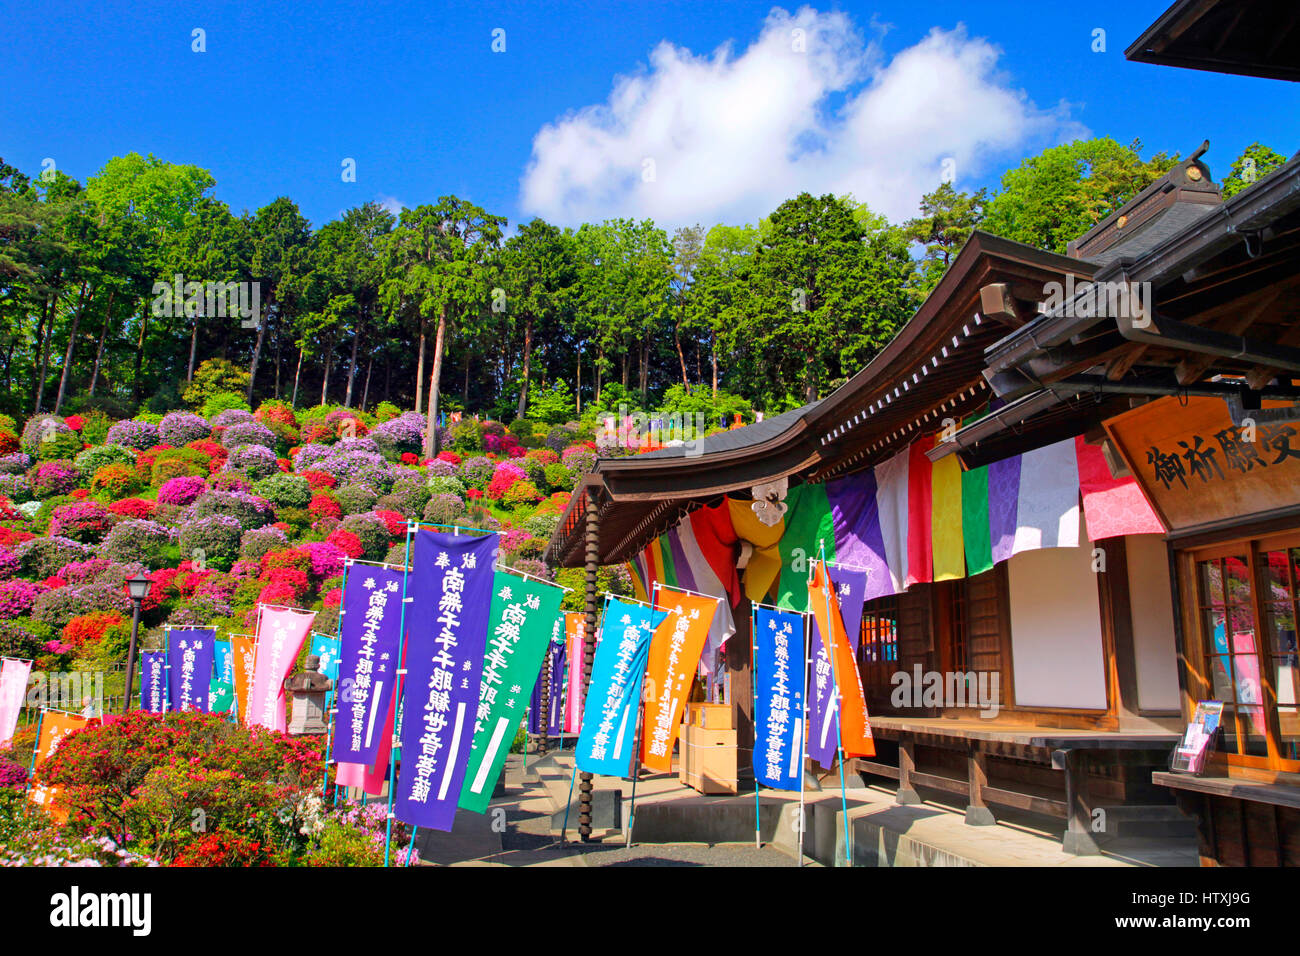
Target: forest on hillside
<point x="106" y="293"/>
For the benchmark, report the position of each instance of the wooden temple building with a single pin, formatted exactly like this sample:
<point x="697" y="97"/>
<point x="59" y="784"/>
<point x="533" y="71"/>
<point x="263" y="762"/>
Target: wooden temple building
<point x="1075" y="479"/>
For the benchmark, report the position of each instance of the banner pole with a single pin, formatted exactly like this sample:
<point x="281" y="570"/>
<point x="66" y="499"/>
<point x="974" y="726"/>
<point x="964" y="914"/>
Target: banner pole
<point x="803" y="738"/>
<point x="829" y="637"/>
<point x="397" y="699"/>
<point x="753" y="753"/>
<point x="569" y="803"/>
<point x="331" y="703"/>
<point x="36" y="748"/>
<point x="410" y="851"/>
<point x="636" y="773"/>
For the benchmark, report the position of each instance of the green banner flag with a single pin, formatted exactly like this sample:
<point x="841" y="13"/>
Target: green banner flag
<point x="520" y="624"/>
<point x="221" y="696"/>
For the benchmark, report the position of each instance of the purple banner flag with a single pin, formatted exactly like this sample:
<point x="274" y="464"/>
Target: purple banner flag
<point x="153" y="683"/>
<point x="778" y="696"/>
<point x="823" y="710"/>
<point x="369" y="630"/>
<point x="858" y="539"/>
<point x="452" y="584"/>
<point x="552" y="671"/>
<point x="190" y="656"/>
<point x="1004" y="495"/>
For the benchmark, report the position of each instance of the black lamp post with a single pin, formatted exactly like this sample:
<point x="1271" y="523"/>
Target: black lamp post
<point x="138" y="589"/>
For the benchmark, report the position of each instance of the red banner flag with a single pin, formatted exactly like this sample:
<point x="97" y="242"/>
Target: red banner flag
<point x="674" y="656"/>
<point x="855" y="727"/>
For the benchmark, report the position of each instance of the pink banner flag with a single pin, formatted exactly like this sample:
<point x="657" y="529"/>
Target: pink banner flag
<point x="575" y="625"/>
<point x="280" y="633"/>
<point x="371" y="779"/>
<point x="13" y="687"/>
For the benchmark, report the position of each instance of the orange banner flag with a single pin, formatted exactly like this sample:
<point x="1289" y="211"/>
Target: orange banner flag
<point x="674" y="655"/>
<point x="855" y="727"/>
<point x="244" y="649"/>
<point x="54" y="727"/>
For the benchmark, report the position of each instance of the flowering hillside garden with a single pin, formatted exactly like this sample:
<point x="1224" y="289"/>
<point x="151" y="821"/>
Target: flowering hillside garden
<point x="222" y="513"/>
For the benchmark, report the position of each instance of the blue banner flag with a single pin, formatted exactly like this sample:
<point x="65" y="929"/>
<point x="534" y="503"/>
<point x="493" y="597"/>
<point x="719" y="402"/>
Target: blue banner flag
<point x="779" y="696"/>
<point x="224" y="664"/>
<point x="365" y="670"/>
<point x="190" y="655"/>
<point x="606" y="741"/>
<point x="327" y="649"/>
<point x="153" y="681"/>
<point x="451" y="582"/>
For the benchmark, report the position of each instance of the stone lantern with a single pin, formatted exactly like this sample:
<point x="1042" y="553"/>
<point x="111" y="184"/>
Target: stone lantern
<point x="308" y="688"/>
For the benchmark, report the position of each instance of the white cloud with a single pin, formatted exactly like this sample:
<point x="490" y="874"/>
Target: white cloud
<point x="390" y="204"/>
<point x="728" y="137"/>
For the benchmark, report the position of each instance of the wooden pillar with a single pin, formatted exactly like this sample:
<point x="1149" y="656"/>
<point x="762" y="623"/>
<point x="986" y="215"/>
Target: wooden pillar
<point x="906" y="765"/>
<point x="1078" y="833"/>
<point x="592" y="554"/>
<point x="544" y="711"/>
<point x="977" y="812"/>
<point x="740" y="666"/>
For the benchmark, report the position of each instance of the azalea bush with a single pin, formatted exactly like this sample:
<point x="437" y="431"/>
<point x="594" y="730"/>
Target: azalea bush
<point x="141" y="779"/>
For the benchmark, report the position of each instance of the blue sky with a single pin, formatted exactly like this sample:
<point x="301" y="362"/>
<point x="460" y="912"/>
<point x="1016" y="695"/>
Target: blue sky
<point x="871" y="98"/>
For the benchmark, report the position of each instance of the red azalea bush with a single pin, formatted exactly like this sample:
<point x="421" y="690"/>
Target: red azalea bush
<point x="75" y="422"/>
<point x="140" y="779"/>
<point x="134" y="508"/>
<point x="208" y="447"/>
<point x="8" y="443"/>
<point x="292" y="578"/>
<point x="324" y="506"/>
<point x="449" y="456"/>
<point x="87" y="629"/>
<point x="286" y="558"/>
<point x="394" y="522"/>
<point x="347" y="542"/>
<point x="319" y="479"/>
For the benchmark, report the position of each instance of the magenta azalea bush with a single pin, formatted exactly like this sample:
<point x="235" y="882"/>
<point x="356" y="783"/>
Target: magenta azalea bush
<point x="81" y="572"/>
<point x="51" y="478"/>
<point x="17" y="597"/>
<point x="9" y="563"/>
<point x="326" y="559"/>
<point x="181" y="490"/>
<point x="84" y="521"/>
